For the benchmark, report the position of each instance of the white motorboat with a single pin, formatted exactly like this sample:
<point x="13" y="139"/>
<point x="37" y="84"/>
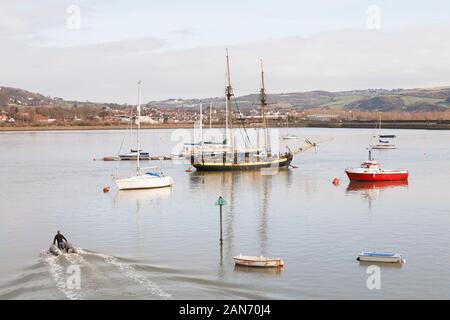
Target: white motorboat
<point x="380" y="257"/>
<point x="146" y="179"/>
<point x="258" y="262"/>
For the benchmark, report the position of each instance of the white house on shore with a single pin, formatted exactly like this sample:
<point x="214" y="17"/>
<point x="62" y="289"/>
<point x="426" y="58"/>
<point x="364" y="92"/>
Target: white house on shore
<point x="148" y="119"/>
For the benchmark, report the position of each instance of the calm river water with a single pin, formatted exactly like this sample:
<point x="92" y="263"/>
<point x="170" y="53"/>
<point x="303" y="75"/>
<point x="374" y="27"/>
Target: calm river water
<point x="163" y="244"/>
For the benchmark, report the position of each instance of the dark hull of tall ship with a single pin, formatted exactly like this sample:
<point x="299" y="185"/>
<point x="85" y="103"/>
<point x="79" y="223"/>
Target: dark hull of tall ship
<point x="243" y="166"/>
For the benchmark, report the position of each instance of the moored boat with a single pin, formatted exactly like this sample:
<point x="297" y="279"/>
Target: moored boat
<point x="380" y="257"/>
<point x="228" y="156"/>
<point x="133" y="155"/>
<point x="370" y="170"/>
<point x="384" y="146"/>
<point x="229" y="162"/>
<point x="289" y="137"/>
<point x="382" y="143"/>
<point x="258" y="262"/>
<point x="149" y="180"/>
<point x="142" y="179"/>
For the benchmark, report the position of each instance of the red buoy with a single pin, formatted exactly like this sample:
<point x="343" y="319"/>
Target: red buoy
<point x="336" y="181"/>
<point x="106" y="189"/>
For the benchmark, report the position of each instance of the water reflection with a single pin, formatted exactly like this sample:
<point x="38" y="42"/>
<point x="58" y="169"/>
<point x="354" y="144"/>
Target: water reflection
<point x="362" y="185"/>
<point x="264" y="214"/>
<point x="230" y="185"/>
<point x="371" y="190"/>
<point x="386" y="265"/>
<point x="141" y="198"/>
<point x="258" y="270"/>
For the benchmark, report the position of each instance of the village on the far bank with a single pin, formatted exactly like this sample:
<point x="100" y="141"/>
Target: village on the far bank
<point x="359" y="108"/>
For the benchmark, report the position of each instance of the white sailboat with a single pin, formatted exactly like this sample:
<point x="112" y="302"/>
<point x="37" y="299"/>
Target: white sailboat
<point x="383" y="142"/>
<point x="143" y="179"/>
<point x="288" y="136"/>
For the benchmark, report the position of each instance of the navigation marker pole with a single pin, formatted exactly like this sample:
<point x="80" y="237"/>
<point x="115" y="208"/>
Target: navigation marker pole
<point x="220" y="202"/>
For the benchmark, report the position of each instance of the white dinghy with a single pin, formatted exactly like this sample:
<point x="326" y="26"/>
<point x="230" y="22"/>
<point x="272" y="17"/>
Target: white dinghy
<point x="258" y="262"/>
<point x="380" y="257"/>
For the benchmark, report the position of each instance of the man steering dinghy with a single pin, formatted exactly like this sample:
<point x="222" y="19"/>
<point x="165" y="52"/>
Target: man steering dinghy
<point x="60" y="245"/>
<point x="59" y="240"/>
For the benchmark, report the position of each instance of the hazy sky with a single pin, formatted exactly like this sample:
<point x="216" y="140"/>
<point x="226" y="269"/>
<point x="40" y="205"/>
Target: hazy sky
<point x="97" y="50"/>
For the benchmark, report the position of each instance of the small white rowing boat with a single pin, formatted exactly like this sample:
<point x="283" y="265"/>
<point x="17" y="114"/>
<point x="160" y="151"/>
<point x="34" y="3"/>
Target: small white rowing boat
<point x="380" y="257"/>
<point x="258" y="262"/>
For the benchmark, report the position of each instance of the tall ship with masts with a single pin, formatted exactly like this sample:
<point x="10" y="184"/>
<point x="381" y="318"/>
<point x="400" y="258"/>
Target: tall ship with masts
<point x="230" y="156"/>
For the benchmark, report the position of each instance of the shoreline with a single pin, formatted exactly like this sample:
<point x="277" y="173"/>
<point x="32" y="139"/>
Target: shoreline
<point x="417" y="125"/>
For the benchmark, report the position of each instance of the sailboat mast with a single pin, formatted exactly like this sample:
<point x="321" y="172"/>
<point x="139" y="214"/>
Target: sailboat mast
<point x="210" y="115"/>
<point x="263" y="98"/>
<point x="201" y="124"/>
<point x="139" y="127"/>
<point x="229" y="111"/>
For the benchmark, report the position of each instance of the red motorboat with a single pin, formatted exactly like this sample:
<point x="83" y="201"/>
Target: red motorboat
<point x="371" y="171"/>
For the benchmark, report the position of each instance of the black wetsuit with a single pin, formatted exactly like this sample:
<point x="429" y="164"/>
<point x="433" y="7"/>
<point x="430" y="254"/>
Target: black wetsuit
<point x="59" y="240"/>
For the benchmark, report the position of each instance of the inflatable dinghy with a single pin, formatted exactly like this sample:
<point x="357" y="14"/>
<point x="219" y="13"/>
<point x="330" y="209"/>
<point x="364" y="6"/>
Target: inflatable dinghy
<point x="69" y="248"/>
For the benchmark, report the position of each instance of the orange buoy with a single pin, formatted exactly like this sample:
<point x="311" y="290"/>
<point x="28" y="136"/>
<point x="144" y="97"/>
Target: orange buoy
<point x="336" y="181"/>
<point x="106" y="189"/>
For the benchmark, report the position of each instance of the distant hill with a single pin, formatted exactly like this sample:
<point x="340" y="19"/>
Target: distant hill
<point x="397" y="100"/>
<point x="22" y="97"/>
<point x="19" y="97"/>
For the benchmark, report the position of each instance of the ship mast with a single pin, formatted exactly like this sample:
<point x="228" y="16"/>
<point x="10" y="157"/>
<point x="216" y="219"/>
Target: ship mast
<point x="210" y="115"/>
<point x="201" y="124"/>
<point x="229" y="108"/>
<point x="138" y="170"/>
<point x="263" y="99"/>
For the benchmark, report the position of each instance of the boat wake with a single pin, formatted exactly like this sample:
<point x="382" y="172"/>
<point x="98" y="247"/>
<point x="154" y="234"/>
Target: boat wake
<point x="56" y="270"/>
<point x="131" y="273"/>
<point x="101" y="277"/>
<point x="104" y="276"/>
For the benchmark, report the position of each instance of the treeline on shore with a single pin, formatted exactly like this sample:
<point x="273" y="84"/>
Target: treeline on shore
<point x="103" y="116"/>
